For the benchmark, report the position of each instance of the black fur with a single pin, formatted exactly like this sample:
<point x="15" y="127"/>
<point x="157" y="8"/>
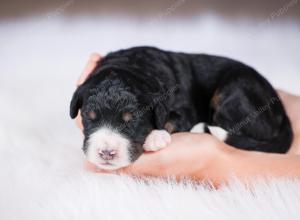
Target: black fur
<point x="183" y="89"/>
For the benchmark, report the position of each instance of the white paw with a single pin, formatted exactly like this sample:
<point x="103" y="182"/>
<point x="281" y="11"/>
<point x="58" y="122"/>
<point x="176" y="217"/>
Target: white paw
<point x="156" y="140"/>
<point x="218" y="132"/>
<point x="198" y="128"/>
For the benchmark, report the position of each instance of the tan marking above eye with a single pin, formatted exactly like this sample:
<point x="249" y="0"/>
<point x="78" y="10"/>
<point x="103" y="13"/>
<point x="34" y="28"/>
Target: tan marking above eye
<point x="126" y="116"/>
<point x="92" y="115"/>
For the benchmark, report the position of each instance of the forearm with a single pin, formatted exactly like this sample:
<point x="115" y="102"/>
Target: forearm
<point x="249" y="164"/>
<point x="256" y="163"/>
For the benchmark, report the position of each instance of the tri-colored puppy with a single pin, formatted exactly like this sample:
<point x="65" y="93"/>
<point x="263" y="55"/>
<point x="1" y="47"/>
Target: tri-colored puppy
<point x="136" y="97"/>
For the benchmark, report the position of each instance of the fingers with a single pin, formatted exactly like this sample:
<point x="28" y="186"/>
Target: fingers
<point x="90" y="66"/>
<point x="148" y="164"/>
<point x="91" y="167"/>
<point x="145" y="166"/>
<point x="78" y="121"/>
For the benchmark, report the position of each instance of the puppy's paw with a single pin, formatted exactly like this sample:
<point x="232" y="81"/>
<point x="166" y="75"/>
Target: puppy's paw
<point x="198" y="128"/>
<point x="218" y="132"/>
<point x="157" y="140"/>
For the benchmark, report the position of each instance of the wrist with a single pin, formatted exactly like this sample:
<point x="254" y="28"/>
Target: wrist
<point x="221" y="164"/>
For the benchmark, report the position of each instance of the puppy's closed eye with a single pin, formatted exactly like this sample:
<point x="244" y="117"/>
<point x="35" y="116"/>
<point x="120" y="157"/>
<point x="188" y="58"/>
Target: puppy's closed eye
<point x="127" y="116"/>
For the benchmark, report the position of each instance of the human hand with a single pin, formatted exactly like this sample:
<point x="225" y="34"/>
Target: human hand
<point x="189" y="155"/>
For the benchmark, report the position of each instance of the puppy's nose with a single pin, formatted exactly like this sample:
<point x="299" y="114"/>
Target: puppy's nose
<point x="107" y="154"/>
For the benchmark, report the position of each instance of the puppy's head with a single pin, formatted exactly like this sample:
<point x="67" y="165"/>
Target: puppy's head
<point x="117" y="116"/>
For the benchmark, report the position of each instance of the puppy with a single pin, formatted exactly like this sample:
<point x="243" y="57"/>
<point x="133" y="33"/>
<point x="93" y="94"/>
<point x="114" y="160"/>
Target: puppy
<point x="136" y="97"/>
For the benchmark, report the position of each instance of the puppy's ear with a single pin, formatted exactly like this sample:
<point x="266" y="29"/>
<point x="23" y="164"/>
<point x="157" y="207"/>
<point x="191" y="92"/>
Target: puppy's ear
<point x="160" y="115"/>
<point x="76" y="102"/>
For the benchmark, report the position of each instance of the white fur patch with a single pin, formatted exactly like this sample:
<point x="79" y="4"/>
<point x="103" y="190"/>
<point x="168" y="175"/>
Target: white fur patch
<point x="157" y="140"/>
<point x="108" y="139"/>
<point x="198" y="128"/>
<point x="218" y="132"/>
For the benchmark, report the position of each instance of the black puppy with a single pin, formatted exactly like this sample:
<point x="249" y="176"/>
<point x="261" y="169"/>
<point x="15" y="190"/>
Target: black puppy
<point x="136" y="97"/>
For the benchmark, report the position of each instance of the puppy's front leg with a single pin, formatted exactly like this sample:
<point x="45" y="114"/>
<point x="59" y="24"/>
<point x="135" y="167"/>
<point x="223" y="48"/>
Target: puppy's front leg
<point x="157" y="140"/>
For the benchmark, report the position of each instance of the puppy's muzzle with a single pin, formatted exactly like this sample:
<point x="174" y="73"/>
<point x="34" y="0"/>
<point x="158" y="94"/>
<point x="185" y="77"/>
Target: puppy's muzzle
<point x="108" y="148"/>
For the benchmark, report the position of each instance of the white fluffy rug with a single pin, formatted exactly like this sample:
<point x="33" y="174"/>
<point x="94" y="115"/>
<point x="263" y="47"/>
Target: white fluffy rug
<point x="41" y="171"/>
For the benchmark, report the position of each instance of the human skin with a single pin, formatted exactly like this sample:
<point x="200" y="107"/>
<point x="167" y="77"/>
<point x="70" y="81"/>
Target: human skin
<point x="203" y="157"/>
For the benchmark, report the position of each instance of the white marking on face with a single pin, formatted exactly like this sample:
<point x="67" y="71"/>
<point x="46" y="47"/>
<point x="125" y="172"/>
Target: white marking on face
<point x="198" y="128"/>
<point x="108" y="149"/>
<point x="218" y="132"/>
<point x="157" y="140"/>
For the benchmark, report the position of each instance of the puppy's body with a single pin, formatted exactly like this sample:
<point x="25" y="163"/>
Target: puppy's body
<point x="176" y="91"/>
